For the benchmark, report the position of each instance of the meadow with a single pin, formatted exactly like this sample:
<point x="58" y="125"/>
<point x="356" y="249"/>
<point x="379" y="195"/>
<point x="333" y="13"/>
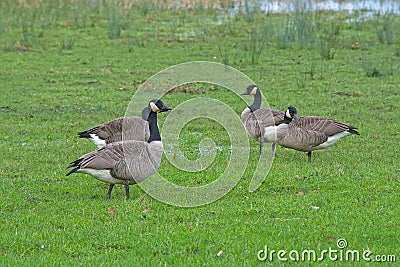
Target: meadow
<point x="70" y="65"/>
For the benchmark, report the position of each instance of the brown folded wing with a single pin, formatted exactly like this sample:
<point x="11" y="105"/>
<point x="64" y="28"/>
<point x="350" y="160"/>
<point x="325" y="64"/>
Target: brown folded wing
<point x="126" y="160"/>
<point x="124" y="128"/>
<point x="327" y="126"/>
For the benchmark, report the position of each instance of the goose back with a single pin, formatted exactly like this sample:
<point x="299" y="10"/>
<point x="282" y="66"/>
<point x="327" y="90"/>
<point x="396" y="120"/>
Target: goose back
<point x="329" y="127"/>
<point x="124" y="128"/>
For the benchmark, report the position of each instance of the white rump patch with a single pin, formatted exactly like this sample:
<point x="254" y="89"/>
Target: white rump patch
<point x="101" y="175"/>
<point x="333" y="139"/>
<point x="97" y="141"/>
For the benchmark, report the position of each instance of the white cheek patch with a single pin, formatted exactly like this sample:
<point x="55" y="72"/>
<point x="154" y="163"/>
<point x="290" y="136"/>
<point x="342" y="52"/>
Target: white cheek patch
<point x="154" y="107"/>
<point x="288" y="114"/>
<point x="253" y="91"/>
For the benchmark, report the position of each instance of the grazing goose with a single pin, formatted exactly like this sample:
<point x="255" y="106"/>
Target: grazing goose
<point x="310" y="133"/>
<point x="260" y="122"/>
<point x="126" y="162"/>
<point x="133" y="128"/>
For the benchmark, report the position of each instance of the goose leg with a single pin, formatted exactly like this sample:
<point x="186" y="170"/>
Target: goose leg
<point x="273" y="147"/>
<point x="261" y="146"/>
<point x="109" y="191"/>
<point x="309" y="156"/>
<point x="127" y="191"/>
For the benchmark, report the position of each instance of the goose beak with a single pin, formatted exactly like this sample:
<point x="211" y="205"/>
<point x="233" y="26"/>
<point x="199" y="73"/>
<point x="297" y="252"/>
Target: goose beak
<point x="165" y="108"/>
<point x="295" y="117"/>
<point x="244" y="93"/>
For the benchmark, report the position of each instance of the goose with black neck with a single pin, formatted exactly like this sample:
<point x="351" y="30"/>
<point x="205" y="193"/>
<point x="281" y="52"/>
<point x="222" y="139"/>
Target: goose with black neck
<point x="126" y="162"/>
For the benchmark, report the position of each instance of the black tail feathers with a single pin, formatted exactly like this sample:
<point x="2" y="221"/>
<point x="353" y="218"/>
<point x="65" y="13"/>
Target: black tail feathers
<point x="72" y="171"/>
<point x="73" y="164"/>
<point x="84" y="134"/>
<point x="353" y="130"/>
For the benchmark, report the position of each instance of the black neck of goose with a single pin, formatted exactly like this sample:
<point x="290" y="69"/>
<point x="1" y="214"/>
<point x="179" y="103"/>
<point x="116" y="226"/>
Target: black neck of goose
<point x="287" y="120"/>
<point x="154" y="132"/>
<point x="256" y="102"/>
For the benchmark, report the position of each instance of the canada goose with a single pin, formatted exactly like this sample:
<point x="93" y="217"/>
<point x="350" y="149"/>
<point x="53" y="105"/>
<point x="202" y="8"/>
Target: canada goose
<point x="133" y="128"/>
<point x="310" y="133"/>
<point x="260" y="122"/>
<point x="126" y="162"/>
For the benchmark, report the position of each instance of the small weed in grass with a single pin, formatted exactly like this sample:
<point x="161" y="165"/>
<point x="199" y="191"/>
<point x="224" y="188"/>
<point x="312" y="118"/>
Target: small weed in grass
<point x="312" y="72"/>
<point x="67" y="44"/>
<point x="298" y="30"/>
<point x="328" y="39"/>
<point x="326" y="50"/>
<point x="224" y="53"/>
<point x="373" y="71"/>
<point x="145" y="8"/>
<point x="385" y="29"/>
<point x="301" y="81"/>
<point x="254" y="45"/>
<point x="377" y="69"/>
<point x="114" y="26"/>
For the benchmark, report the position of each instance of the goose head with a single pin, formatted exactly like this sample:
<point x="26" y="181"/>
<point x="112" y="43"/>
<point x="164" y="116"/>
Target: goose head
<point x="156" y="106"/>
<point x="251" y="90"/>
<point x="290" y="114"/>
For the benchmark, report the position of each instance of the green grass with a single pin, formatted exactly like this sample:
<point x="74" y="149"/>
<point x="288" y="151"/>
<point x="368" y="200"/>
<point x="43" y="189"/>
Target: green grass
<point x="64" y="70"/>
